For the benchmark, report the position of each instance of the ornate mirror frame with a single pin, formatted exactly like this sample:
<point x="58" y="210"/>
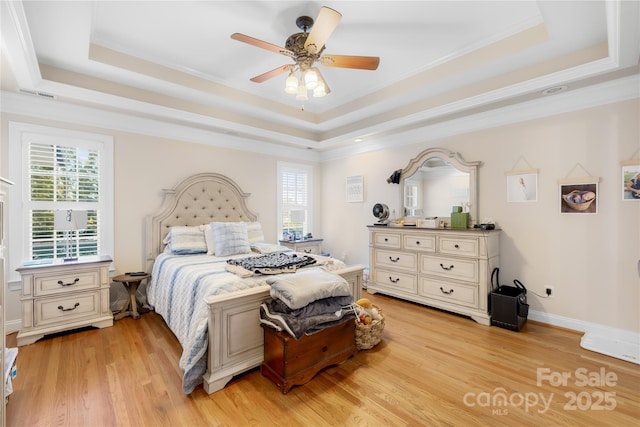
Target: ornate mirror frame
<point x="456" y="160"/>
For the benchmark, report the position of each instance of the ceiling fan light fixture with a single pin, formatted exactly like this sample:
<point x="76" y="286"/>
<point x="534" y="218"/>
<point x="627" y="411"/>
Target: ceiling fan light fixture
<point x="311" y="79"/>
<point x="319" y="91"/>
<point x="291" y="84"/>
<point x="302" y="92"/>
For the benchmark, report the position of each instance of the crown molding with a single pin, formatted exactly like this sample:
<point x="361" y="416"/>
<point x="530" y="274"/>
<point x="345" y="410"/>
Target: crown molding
<point x="605" y="93"/>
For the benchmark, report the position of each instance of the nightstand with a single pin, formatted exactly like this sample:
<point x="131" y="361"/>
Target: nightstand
<point x="62" y="296"/>
<point x="131" y="282"/>
<point x="308" y="246"/>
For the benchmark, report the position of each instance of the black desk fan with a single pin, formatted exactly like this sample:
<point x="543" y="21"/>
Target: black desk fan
<point x="381" y="211"/>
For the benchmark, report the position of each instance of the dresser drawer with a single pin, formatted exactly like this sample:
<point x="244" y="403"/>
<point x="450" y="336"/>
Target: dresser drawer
<point x="399" y="260"/>
<point x="66" y="308"/>
<point x="420" y="243"/>
<point x="400" y="281"/>
<point x="459" y="246"/>
<point x="63" y="282"/>
<point x="454" y="293"/>
<point x="450" y="268"/>
<point x="387" y="240"/>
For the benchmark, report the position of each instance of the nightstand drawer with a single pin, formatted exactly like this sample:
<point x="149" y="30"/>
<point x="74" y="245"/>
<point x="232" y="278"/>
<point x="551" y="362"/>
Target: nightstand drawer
<point x="66" y="308"/>
<point x="309" y="246"/>
<point x="66" y="282"/>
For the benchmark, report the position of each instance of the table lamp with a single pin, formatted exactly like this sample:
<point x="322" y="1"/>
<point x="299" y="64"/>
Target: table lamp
<point x="69" y="221"/>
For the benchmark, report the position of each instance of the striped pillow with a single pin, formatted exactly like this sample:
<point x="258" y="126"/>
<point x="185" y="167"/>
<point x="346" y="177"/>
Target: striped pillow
<point x="231" y="238"/>
<point x="184" y="240"/>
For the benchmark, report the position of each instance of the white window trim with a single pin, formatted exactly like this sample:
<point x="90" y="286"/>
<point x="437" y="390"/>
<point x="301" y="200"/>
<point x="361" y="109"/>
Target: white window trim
<point x="18" y="173"/>
<point x="281" y="166"/>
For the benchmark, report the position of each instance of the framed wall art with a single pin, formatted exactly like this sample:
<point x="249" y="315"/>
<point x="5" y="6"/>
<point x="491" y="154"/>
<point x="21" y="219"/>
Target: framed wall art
<point x="630" y="180"/>
<point x="355" y="188"/>
<point x="522" y="185"/>
<point x="579" y="197"/>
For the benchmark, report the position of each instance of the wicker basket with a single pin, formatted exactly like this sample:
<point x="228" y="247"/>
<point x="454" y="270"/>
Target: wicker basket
<point x="577" y="206"/>
<point x="369" y="335"/>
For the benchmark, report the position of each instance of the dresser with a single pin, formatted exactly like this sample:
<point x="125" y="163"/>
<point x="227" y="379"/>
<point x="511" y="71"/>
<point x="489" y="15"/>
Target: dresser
<point x="444" y="268"/>
<point x="64" y="295"/>
<point x="308" y="246"/>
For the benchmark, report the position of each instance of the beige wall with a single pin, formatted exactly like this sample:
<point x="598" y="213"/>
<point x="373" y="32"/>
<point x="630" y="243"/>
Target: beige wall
<point x="144" y="166"/>
<point x="590" y="260"/>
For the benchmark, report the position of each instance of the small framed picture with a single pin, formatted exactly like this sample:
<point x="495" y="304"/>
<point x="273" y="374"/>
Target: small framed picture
<point x="522" y="187"/>
<point x="355" y="188"/>
<point x="579" y="198"/>
<point x="631" y="182"/>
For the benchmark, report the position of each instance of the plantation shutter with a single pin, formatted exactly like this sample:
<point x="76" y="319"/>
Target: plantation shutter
<point x="62" y="177"/>
<point x="294" y="201"/>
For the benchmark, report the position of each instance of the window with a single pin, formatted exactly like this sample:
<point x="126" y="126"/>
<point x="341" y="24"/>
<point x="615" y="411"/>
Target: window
<point x="66" y="172"/>
<point x="294" y="200"/>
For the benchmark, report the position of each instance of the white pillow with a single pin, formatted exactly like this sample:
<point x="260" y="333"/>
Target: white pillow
<point x="231" y="238"/>
<point x="254" y="231"/>
<point x="208" y="238"/>
<point x="267" y="248"/>
<point x="185" y="240"/>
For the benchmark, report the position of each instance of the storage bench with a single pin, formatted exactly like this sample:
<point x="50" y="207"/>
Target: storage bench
<point x="288" y="362"/>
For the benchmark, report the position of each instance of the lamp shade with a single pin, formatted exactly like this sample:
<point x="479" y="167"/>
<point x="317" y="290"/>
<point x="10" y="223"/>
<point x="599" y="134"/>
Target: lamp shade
<point x="66" y="220"/>
<point x="291" y="84"/>
<point x="297" y="216"/>
<point x="311" y="79"/>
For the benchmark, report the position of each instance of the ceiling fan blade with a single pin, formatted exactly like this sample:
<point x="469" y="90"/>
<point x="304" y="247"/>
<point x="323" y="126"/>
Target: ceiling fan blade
<point x="327" y="21"/>
<point x="271" y="74"/>
<point x="262" y="44"/>
<point x="345" y="61"/>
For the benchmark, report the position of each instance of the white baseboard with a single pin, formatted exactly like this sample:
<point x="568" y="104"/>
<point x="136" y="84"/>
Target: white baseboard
<point x="12" y="326"/>
<point x="619" y="343"/>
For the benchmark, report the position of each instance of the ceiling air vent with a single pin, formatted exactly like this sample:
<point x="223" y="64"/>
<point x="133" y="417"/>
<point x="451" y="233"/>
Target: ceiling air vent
<point x="37" y="93"/>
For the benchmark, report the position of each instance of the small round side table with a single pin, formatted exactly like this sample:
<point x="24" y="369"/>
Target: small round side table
<point x="130" y="282"/>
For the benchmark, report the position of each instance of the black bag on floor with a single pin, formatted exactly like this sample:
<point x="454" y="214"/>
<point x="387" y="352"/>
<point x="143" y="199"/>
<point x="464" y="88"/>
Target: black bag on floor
<point x="508" y="304"/>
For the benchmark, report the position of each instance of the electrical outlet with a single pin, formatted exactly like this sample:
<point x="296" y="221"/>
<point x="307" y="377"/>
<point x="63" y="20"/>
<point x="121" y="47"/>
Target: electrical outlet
<point x="548" y="290"/>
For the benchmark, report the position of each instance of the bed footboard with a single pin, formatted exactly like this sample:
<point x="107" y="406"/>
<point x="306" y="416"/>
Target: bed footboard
<point x="236" y="339"/>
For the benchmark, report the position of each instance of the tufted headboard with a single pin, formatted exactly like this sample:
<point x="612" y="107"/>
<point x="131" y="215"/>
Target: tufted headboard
<point x="199" y="199"/>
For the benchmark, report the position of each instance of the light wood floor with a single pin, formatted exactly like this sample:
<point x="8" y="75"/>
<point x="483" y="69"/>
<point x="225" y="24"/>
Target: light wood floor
<point x="433" y="368"/>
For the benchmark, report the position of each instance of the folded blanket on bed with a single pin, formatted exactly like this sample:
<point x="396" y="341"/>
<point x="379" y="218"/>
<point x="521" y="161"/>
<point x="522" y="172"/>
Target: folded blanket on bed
<point x="312" y="318"/>
<point x="304" y="287"/>
<point x="271" y="263"/>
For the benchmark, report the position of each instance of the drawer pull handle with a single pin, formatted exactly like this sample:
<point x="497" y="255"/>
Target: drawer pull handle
<point x="61" y="283"/>
<point x="386" y="240"/>
<point x="446" y="268"/>
<point x="324" y="349"/>
<point x="446" y="292"/>
<point x="417" y="242"/>
<point x="307" y="251"/>
<point x="394" y="259"/>
<point x="394" y="280"/>
<point x="456" y="246"/>
<point x="69" y="309"/>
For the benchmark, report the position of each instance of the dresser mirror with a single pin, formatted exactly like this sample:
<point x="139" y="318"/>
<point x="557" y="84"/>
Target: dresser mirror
<point x="437" y="179"/>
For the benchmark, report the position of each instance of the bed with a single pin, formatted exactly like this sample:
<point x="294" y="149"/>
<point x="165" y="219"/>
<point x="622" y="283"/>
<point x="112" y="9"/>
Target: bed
<point x="232" y="340"/>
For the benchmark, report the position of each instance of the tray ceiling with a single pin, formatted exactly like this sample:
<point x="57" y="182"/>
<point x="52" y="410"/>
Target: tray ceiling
<point x="175" y="61"/>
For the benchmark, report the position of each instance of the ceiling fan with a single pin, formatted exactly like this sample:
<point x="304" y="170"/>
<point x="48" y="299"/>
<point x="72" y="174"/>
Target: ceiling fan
<point x="306" y="49"/>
